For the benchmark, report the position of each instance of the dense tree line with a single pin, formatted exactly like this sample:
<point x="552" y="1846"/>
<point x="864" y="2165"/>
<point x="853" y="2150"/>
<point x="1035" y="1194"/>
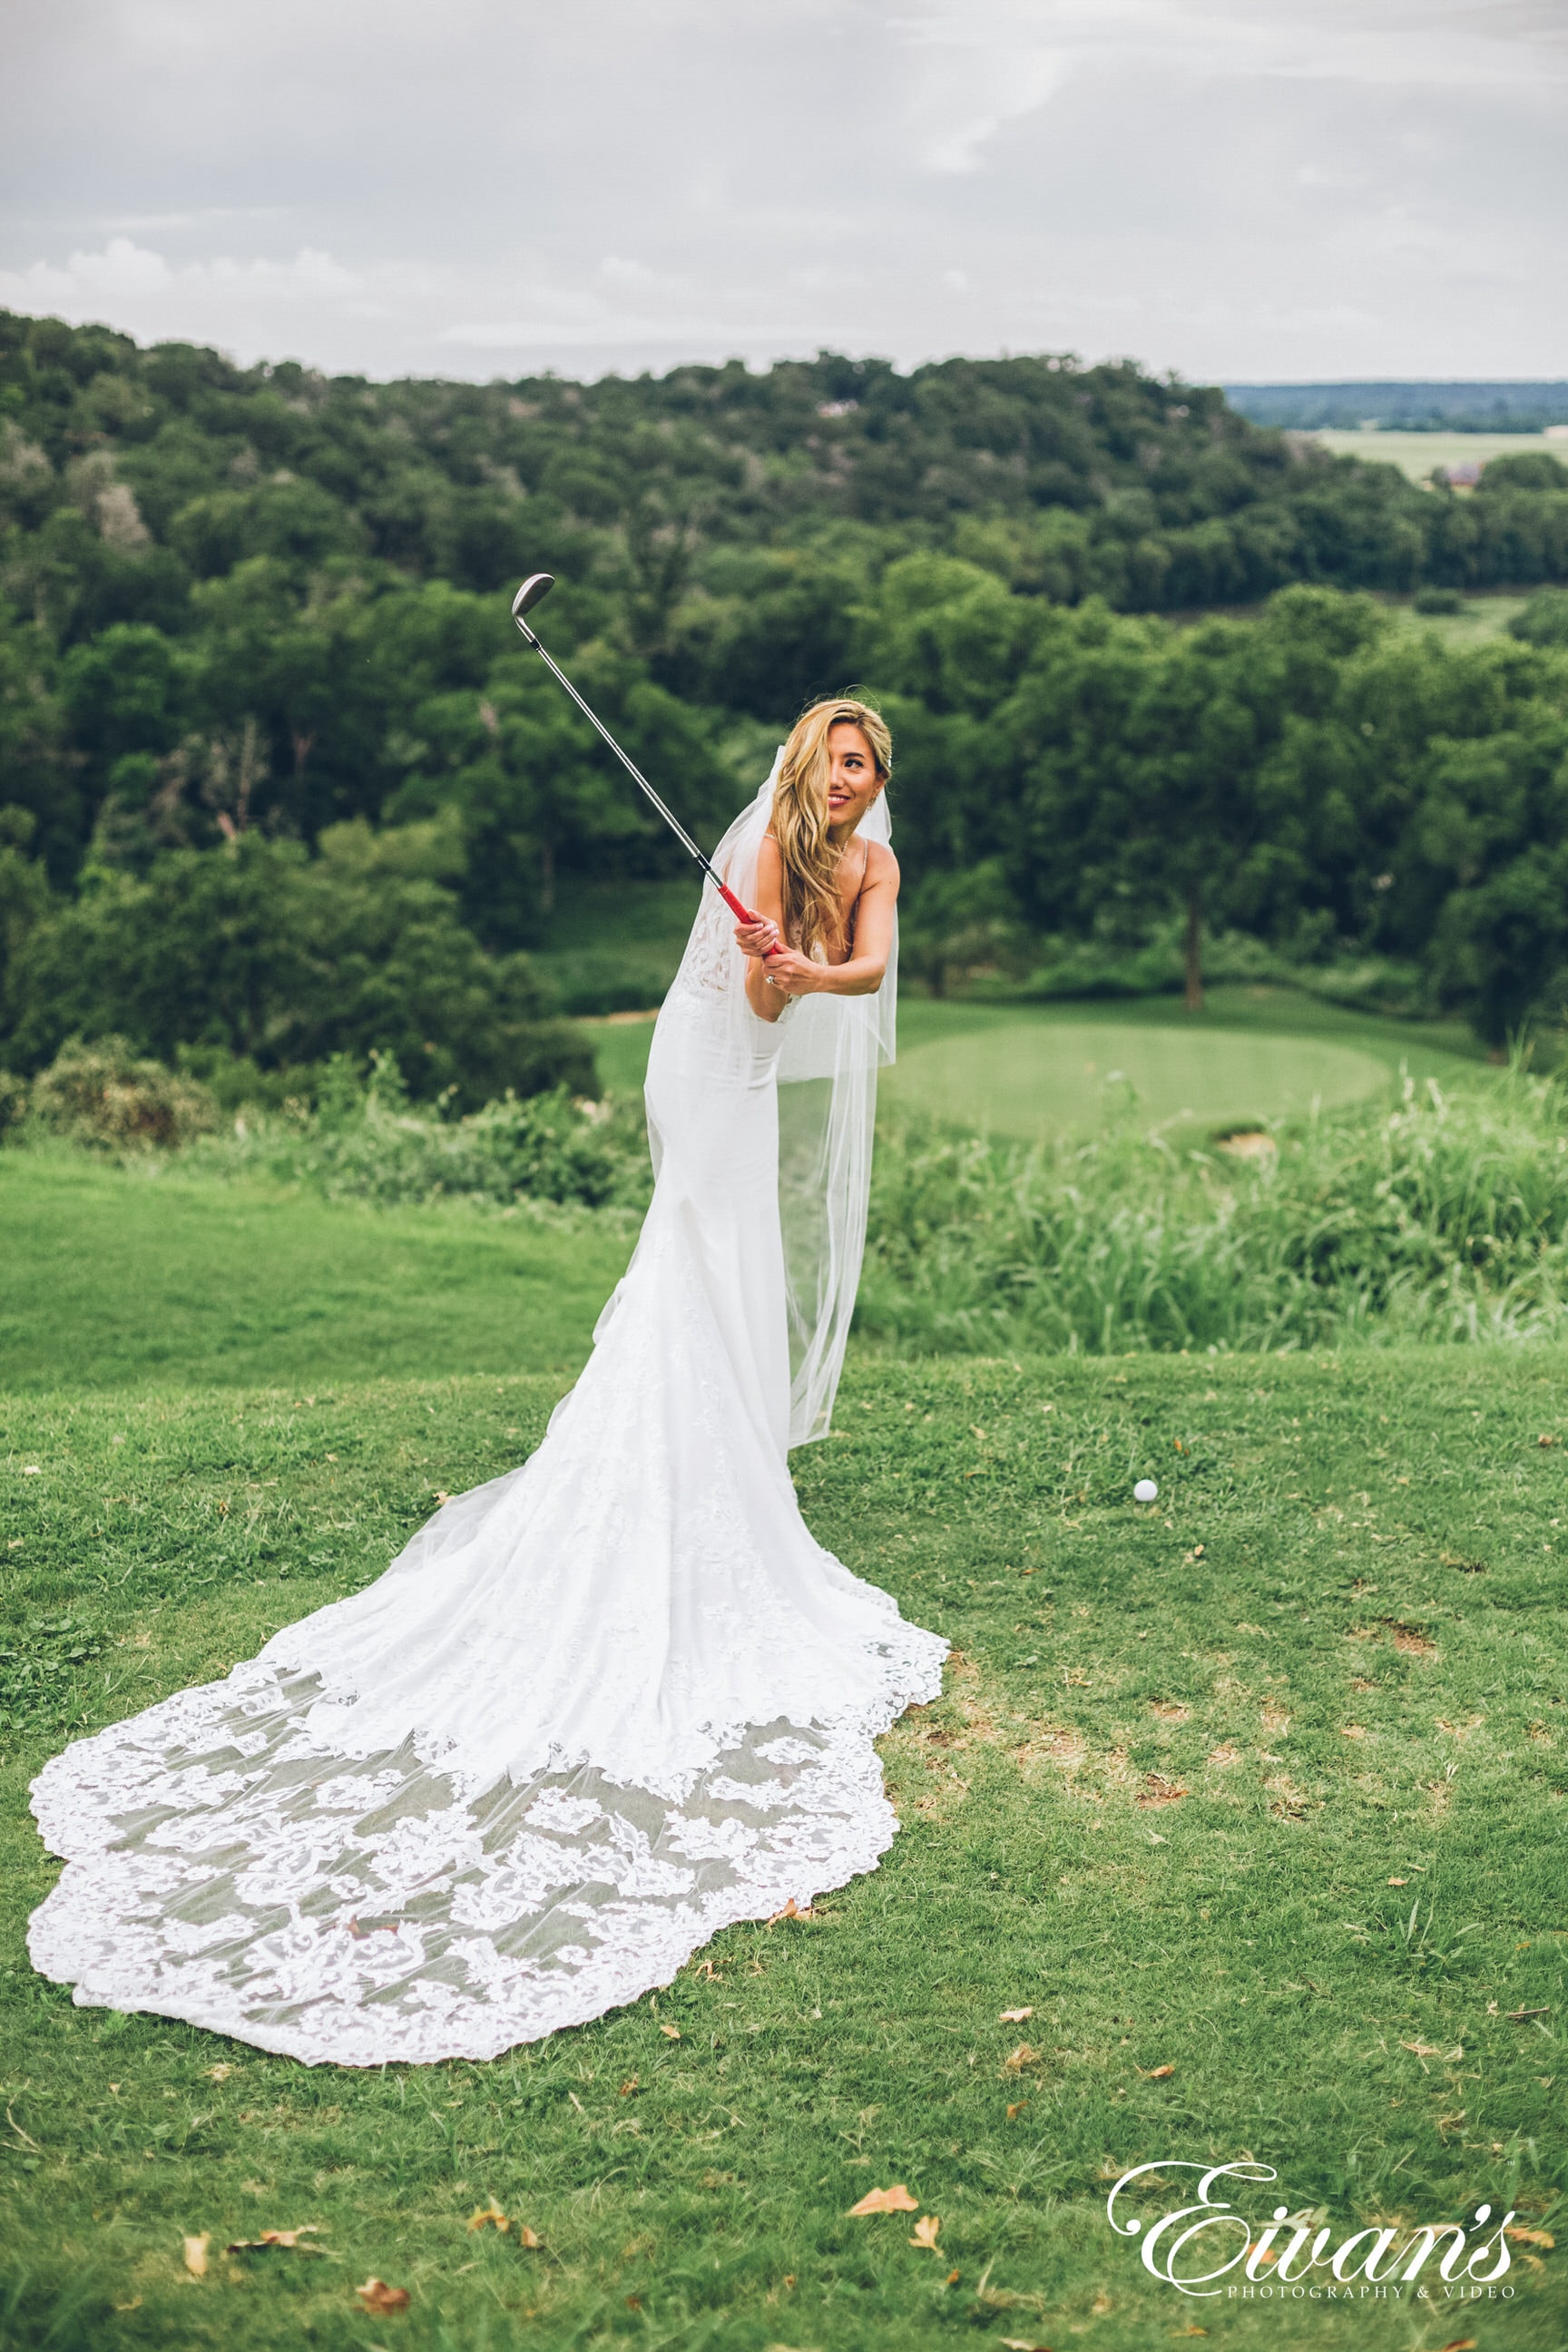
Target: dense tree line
<point x="276" y="780"/>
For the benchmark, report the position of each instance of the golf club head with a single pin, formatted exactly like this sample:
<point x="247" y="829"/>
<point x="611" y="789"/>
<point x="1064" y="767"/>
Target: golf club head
<point x="534" y="589"/>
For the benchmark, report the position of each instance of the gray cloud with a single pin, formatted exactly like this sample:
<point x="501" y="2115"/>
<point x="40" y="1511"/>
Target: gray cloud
<point x="1228" y="187"/>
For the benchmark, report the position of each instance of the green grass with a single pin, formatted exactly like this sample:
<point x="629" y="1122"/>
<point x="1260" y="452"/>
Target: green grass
<point x="1250" y="1054"/>
<point x="114" y="1277"/>
<point x="1339" y="1633"/>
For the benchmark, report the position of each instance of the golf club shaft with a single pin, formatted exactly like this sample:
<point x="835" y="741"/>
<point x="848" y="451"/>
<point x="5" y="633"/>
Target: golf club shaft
<point x="741" y="914"/>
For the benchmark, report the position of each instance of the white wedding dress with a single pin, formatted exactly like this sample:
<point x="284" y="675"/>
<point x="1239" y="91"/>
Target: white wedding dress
<point x="597" y="1709"/>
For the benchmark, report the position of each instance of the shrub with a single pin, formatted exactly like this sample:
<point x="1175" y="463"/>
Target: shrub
<point x="1442" y="1219"/>
<point x="366" y="1139"/>
<point x="102" y="1093"/>
<point x="1437" y="600"/>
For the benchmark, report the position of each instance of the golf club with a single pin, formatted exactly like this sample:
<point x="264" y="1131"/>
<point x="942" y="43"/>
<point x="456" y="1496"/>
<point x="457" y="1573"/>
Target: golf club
<point x="534" y="589"/>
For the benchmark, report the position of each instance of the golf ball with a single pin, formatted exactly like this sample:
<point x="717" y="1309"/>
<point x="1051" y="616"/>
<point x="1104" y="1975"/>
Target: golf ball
<point x="1145" y="1491"/>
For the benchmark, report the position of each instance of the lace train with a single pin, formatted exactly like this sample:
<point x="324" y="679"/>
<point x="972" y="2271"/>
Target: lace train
<point x="232" y="1871"/>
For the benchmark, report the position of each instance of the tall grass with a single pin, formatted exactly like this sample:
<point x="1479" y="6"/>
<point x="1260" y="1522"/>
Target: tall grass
<point x="1442" y="1219"/>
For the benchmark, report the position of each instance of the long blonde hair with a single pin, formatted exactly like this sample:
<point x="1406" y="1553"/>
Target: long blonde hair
<point x="800" y="817"/>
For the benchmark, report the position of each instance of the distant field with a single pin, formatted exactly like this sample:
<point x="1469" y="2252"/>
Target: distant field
<point x="1416" y="454"/>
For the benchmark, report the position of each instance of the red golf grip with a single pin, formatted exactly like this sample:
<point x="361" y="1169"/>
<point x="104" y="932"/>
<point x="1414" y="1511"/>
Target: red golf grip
<point x="741" y="914"/>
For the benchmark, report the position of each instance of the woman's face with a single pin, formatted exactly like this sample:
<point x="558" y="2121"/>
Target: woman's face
<point x="853" y="782"/>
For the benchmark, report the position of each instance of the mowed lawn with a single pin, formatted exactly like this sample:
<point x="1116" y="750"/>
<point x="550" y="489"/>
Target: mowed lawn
<point x="1252" y="1802"/>
<point x="143" y="1277"/>
<point x="1257" y="1052"/>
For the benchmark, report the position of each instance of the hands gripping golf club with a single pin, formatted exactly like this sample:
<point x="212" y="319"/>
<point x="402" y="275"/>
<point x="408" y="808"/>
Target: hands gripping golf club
<point x="534" y="589"/>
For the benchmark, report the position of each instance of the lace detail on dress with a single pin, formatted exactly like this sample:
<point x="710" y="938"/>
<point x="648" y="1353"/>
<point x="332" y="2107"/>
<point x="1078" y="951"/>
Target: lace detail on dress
<point x="230" y="1870"/>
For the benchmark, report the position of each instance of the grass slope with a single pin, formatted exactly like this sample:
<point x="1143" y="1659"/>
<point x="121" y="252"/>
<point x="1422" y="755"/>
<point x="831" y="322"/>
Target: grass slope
<point x="112" y="1277"/>
<point x="1194" y="1767"/>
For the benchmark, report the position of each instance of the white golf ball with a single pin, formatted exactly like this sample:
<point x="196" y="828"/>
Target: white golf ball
<point x="1145" y="1491"/>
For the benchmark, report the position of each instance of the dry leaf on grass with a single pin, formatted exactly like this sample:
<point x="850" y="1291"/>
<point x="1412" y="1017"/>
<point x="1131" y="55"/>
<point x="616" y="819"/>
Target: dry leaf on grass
<point x="1016" y="2060"/>
<point x="1021" y="2344"/>
<point x="1158" y="1791"/>
<point x="791" y="1910"/>
<point x="1518" y="2016"/>
<point x="219" y="2073"/>
<point x="1225" y="1755"/>
<point x="196" y="2256"/>
<point x="270" y="2240"/>
<point x="1542" y="2238"/>
<point x="630" y="2088"/>
<point x="1421" y="2049"/>
<point x="527" y="2237"/>
<point x="1155" y="2073"/>
<point x="896" y="2200"/>
<point x="1399" y="1882"/>
<point x="1016" y="2108"/>
<point x="671" y="2032"/>
<point x="377" y="2297"/>
<point x="925" y="2231"/>
<point x="1014" y="2016"/>
<point x="488" y="2214"/>
<point x="1461" y="2344"/>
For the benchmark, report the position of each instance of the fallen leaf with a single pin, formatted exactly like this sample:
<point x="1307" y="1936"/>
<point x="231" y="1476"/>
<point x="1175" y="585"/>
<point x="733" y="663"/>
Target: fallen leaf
<point x="953" y="2277"/>
<point x="1461" y="2344"/>
<point x="1014" y="2016"/>
<point x="377" y="2297"/>
<point x="1399" y="1882"/>
<point x="1016" y="2060"/>
<point x="527" y="2237"/>
<point x="896" y="2200"/>
<point x="1157" y="2073"/>
<point x="1542" y="2238"/>
<point x="197" y="2257"/>
<point x="1021" y="2344"/>
<point x="630" y="2086"/>
<point x="791" y="1910"/>
<point x="490" y="2214"/>
<point x="1158" y="1791"/>
<point x="671" y="2032"/>
<point x="219" y="2073"/>
<point x="288" y="2239"/>
<point x="1421" y="2049"/>
<point x="1016" y="2108"/>
<point x="925" y="2231"/>
<point x="1518" y="2016"/>
<point x="1546" y="1441"/>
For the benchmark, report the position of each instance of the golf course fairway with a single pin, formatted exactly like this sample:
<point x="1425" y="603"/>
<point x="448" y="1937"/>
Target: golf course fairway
<point x="1036" y="1077"/>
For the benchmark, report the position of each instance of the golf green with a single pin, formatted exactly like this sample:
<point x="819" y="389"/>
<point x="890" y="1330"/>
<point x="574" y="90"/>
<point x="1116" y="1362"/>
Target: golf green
<point x="1033" y="1077"/>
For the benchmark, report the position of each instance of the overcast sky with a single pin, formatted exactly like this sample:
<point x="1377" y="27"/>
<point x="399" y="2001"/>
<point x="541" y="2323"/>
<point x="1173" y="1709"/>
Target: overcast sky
<point x="1235" y="189"/>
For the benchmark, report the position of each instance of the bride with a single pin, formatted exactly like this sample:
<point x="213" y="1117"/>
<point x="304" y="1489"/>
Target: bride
<point x="618" y="1698"/>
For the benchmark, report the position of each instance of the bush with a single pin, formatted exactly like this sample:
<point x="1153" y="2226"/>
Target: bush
<point x="1437" y="600"/>
<point x="103" y="1095"/>
<point x="366" y="1139"/>
<point x="1544" y="620"/>
<point x="14" y="1100"/>
<point x="1442" y="1219"/>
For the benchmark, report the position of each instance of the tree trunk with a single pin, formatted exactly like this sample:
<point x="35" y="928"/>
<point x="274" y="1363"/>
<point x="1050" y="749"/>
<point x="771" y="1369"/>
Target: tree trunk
<point x="1192" y="949"/>
<point x="547" y="877"/>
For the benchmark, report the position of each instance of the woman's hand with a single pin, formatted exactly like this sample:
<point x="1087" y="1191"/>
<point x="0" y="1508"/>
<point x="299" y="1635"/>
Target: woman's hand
<point x="758" y="939"/>
<point x="792" y="974"/>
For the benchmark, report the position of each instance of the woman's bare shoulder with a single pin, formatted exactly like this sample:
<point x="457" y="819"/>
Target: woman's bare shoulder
<point x="881" y="865"/>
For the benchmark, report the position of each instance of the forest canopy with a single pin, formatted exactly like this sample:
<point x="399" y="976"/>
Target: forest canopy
<point x="276" y="780"/>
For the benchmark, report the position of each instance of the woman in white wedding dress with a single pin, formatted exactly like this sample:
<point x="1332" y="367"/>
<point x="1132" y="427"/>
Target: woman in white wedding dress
<point x="610" y="1702"/>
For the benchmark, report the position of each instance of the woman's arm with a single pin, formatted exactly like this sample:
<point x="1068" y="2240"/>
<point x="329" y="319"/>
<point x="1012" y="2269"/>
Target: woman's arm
<point x="770" y="985"/>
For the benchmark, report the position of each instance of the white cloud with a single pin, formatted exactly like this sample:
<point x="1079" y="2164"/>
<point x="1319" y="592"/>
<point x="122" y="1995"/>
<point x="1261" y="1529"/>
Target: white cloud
<point x="1231" y="187"/>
